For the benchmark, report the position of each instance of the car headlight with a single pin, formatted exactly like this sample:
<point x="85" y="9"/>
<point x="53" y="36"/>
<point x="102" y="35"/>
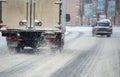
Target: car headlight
<point x="96" y="29"/>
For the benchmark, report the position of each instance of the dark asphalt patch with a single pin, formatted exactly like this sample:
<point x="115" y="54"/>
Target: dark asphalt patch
<point x="77" y="66"/>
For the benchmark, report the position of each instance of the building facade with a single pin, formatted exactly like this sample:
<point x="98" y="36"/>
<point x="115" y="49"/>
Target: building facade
<point x="117" y="14"/>
<point x="72" y="9"/>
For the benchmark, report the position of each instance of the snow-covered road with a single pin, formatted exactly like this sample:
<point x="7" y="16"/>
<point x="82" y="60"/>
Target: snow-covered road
<point x="83" y="56"/>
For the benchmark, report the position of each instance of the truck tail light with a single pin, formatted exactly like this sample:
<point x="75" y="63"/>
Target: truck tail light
<point x="17" y="38"/>
<point x="51" y="39"/>
<point x="8" y="38"/>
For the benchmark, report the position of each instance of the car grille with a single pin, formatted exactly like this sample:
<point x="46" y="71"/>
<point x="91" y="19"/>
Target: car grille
<point x="102" y="29"/>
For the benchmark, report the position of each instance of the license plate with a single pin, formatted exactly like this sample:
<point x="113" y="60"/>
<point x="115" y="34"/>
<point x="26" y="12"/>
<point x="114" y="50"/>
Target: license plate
<point x="12" y="44"/>
<point x="50" y="36"/>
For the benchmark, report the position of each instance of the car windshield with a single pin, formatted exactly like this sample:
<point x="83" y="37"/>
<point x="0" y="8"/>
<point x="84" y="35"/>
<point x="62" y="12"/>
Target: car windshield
<point x="103" y="24"/>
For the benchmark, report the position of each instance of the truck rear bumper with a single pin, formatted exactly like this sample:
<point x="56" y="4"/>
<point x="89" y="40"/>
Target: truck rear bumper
<point x="12" y="43"/>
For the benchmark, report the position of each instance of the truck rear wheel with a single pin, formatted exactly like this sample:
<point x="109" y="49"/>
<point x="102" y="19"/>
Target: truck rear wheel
<point x="19" y="48"/>
<point x="109" y="35"/>
<point x="60" y="45"/>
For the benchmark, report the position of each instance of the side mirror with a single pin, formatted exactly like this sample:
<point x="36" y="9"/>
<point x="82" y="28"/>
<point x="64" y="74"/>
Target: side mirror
<point x="38" y="23"/>
<point x="111" y="26"/>
<point x="67" y="17"/>
<point x="23" y="23"/>
<point x="93" y="25"/>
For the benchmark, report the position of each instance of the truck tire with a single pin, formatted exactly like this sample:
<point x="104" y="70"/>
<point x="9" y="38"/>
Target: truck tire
<point x="19" y="48"/>
<point x="60" y="45"/>
<point x="109" y="35"/>
<point x="35" y="47"/>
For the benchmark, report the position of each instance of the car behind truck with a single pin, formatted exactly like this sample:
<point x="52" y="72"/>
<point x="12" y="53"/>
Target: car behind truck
<point x="102" y="27"/>
<point x="39" y="13"/>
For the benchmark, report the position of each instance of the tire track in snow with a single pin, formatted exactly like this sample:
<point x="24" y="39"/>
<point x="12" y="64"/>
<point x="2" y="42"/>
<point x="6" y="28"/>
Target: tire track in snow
<point x="76" y="67"/>
<point x="21" y="67"/>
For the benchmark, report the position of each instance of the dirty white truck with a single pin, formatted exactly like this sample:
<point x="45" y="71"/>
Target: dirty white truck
<point x="34" y="23"/>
